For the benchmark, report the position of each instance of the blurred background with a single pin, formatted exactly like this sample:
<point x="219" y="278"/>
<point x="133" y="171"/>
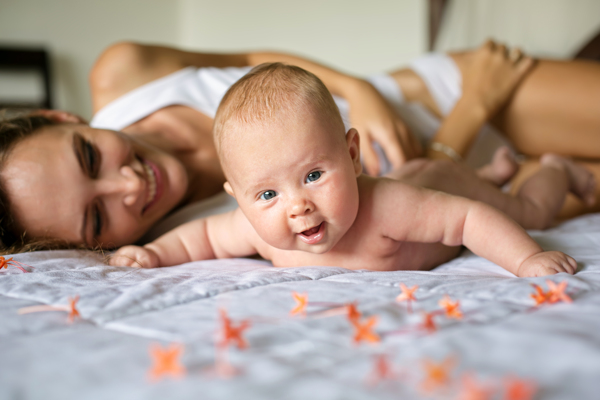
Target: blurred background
<point x="356" y="36"/>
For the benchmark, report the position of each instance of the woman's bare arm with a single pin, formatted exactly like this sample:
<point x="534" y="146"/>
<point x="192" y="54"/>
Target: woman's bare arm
<point x="126" y="66"/>
<point x="493" y="75"/>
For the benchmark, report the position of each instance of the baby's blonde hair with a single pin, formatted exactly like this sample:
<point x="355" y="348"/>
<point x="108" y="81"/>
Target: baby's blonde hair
<point x="269" y="89"/>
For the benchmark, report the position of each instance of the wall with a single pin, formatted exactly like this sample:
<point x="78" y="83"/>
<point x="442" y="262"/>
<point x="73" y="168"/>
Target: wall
<point x="76" y="31"/>
<point x="544" y="28"/>
<point x="354" y="35"/>
<point x="358" y="36"/>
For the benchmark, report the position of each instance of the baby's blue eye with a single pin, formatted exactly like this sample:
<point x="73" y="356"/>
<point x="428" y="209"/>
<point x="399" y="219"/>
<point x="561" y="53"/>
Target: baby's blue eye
<point x="268" y="195"/>
<point x="313" y="176"/>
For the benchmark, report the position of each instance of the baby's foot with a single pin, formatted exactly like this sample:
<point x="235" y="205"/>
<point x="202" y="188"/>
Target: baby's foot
<point x="501" y="169"/>
<point x="582" y="182"/>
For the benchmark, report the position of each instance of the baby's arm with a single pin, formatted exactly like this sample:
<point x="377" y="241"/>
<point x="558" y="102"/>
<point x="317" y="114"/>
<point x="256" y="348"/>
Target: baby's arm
<point x="430" y="216"/>
<point x="221" y="236"/>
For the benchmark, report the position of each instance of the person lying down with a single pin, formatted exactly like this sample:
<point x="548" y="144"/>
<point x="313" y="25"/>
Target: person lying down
<point x="303" y="200"/>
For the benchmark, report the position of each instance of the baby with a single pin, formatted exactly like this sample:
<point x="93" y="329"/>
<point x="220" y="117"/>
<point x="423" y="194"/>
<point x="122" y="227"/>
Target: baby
<point x="303" y="201"/>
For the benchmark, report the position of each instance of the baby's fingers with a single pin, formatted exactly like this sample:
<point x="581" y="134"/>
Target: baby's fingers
<point x="133" y="256"/>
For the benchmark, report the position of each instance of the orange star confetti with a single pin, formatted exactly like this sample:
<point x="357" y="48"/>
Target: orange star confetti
<point x="166" y="361"/>
<point x="353" y="313"/>
<point x="4" y="263"/>
<point x="539" y="296"/>
<point x="73" y="312"/>
<point x="452" y="308"/>
<point x="472" y="390"/>
<point x="71" y="309"/>
<point x="557" y="293"/>
<point x="428" y="322"/>
<point x="437" y="375"/>
<point x="407" y="295"/>
<point x="301" y="303"/>
<point x="382" y="370"/>
<point x="365" y="331"/>
<point x="518" y="389"/>
<point x="231" y="333"/>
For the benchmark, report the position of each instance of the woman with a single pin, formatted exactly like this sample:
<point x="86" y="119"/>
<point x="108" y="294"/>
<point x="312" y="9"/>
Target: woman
<point x="94" y="187"/>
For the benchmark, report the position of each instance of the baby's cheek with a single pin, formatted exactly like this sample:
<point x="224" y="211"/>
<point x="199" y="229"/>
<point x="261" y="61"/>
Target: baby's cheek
<point x="275" y="234"/>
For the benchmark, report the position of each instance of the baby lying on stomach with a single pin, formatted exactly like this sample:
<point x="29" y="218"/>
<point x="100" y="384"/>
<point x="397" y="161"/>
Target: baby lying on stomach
<point x="296" y="175"/>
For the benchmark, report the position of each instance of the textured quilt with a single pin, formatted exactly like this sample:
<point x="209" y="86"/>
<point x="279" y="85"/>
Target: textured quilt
<point x="467" y="328"/>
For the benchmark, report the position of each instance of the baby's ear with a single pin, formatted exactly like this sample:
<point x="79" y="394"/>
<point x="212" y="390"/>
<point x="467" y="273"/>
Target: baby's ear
<point x="353" y="143"/>
<point x="228" y="189"/>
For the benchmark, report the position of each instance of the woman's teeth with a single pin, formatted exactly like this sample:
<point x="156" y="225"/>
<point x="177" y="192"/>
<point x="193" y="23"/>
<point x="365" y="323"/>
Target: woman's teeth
<point x="151" y="183"/>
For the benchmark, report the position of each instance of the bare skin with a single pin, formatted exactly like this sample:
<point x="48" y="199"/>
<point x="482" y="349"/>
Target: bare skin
<point x="384" y="224"/>
<point x="554" y="109"/>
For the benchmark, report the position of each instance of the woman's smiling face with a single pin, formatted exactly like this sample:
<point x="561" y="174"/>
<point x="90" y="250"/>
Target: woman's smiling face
<point x="90" y="186"/>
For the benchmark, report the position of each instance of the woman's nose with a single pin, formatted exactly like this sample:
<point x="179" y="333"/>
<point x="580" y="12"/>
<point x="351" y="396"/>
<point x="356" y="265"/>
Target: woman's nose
<point x="300" y="206"/>
<point x="126" y="183"/>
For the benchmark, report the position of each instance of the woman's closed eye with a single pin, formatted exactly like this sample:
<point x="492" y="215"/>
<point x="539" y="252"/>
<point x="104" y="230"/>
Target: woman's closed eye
<point x="268" y="195"/>
<point x="88" y="156"/>
<point x="313" y="176"/>
<point x="96" y="221"/>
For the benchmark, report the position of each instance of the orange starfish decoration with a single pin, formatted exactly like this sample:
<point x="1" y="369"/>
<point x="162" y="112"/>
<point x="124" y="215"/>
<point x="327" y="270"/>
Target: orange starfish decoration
<point x="365" y="331"/>
<point x="73" y="312"/>
<point x="557" y="293"/>
<point x="437" y="375"/>
<point x="407" y="295"/>
<point x="518" y="389"/>
<point x="71" y="309"/>
<point x="472" y="390"/>
<point x="166" y="361"/>
<point x="231" y="333"/>
<point x="452" y="308"/>
<point x="353" y="313"/>
<point x="428" y="323"/>
<point x="301" y="303"/>
<point x="4" y="263"/>
<point x="539" y="296"/>
<point x="382" y="370"/>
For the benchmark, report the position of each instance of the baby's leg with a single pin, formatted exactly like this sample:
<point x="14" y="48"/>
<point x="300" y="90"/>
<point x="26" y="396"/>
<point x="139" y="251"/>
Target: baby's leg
<point x="502" y="168"/>
<point x="537" y="203"/>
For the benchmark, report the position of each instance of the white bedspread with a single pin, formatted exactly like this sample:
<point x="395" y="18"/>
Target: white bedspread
<point x="105" y="355"/>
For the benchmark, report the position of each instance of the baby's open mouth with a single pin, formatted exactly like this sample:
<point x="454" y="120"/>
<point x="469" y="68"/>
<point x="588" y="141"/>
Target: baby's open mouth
<point x="313" y="235"/>
<point x="312" y="230"/>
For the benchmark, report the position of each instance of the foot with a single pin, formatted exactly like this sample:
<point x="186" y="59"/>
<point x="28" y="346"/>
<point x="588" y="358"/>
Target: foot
<point x="502" y="168"/>
<point x="581" y="181"/>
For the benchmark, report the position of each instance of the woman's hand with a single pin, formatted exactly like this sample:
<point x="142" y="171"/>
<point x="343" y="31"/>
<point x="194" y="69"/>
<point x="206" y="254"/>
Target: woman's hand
<point x="134" y="256"/>
<point x="377" y="122"/>
<point x="494" y="74"/>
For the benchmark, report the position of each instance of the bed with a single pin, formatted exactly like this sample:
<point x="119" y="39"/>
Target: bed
<point x="503" y="346"/>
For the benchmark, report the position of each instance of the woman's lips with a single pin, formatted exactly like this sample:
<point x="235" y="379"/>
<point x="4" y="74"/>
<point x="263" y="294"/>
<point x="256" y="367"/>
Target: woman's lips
<point x="313" y="235"/>
<point x="155" y="183"/>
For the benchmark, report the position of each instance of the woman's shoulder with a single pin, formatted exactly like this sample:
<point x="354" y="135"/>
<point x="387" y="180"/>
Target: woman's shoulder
<point x="125" y="66"/>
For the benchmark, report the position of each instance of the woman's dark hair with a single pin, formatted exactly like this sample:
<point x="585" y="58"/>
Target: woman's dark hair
<point x="13" y="238"/>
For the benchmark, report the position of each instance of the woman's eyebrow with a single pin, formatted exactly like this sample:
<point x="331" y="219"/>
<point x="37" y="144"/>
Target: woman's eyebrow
<point x="77" y="142"/>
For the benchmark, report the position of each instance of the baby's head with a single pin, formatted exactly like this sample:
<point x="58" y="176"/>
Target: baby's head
<point x="287" y="158"/>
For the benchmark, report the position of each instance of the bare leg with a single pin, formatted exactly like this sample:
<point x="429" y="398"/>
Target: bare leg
<point x="502" y="168"/>
<point x="535" y="206"/>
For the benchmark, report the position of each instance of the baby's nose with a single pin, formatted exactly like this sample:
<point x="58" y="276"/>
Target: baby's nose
<point x="300" y="207"/>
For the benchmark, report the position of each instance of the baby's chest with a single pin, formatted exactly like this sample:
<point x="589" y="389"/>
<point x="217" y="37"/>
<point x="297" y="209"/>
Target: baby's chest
<point x="379" y="254"/>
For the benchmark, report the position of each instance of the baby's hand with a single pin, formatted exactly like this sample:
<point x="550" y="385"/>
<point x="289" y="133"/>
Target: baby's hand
<point x="547" y="263"/>
<point x="134" y="256"/>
